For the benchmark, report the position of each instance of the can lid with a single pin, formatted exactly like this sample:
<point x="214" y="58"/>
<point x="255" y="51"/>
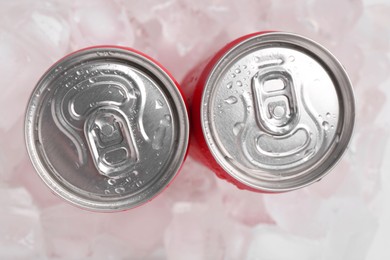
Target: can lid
<point x="106" y="128"/>
<point x="277" y="111"/>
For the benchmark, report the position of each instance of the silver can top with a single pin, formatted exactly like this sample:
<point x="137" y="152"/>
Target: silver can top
<point x="106" y="128"/>
<point x="277" y="111"/>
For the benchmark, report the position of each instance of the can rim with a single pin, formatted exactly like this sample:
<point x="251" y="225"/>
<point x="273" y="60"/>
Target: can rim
<point x="336" y="71"/>
<point x="181" y="141"/>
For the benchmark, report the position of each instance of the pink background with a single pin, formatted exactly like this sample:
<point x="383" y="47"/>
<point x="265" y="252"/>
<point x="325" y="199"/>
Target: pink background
<point x="346" y="216"/>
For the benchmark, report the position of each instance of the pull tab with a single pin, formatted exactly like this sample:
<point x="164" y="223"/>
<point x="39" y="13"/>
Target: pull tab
<point x="111" y="142"/>
<point x="276" y="108"/>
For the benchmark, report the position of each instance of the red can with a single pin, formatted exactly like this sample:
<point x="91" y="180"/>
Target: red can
<point x="270" y="111"/>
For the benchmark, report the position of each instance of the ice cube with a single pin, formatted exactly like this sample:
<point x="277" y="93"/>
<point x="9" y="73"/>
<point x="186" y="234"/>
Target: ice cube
<point x="243" y="206"/>
<point x="344" y="17"/>
<point x="100" y="23"/>
<point x="194" y="233"/>
<point x="195" y="182"/>
<point x="142" y="228"/>
<point x="20" y="233"/>
<point x="272" y="243"/>
<point x="68" y="231"/>
<point x="297" y="212"/>
<point x="351" y="230"/>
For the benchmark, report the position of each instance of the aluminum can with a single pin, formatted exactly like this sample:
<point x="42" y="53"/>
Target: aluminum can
<point x="106" y="128"/>
<point x="271" y="111"/>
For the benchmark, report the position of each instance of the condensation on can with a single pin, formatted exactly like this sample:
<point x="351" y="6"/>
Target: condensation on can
<point x="107" y="128"/>
<point x="270" y="112"/>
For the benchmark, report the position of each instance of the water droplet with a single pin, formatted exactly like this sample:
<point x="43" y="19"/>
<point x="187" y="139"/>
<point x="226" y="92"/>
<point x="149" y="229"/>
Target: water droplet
<point x="78" y="72"/>
<point x="237" y="128"/>
<point x="120" y="190"/>
<point x="128" y="179"/>
<point x="239" y="83"/>
<point x="337" y="138"/>
<point x="244" y="66"/>
<point x="237" y="71"/>
<point x="309" y="152"/>
<point x="328" y="114"/>
<point x="257" y="59"/>
<point x="291" y="58"/>
<point x="332" y="126"/>
<point x="107" y="192"/>
<point x="159" y="104"/>
<point x="233" y="75"/>
<point x="158" y="137"/>
<point x="135" y="173"/>
<point x="325" y="125"/>
<point x="231" y="100"/>
<point x="168" y="119"/>
<point x="111" y="181"/>
<point x="229" y="85"/>
<point x="91" y="80"/>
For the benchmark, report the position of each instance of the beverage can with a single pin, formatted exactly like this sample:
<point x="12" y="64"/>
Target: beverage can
<point x="106" y="128"/>
<point x="271" y="111"/>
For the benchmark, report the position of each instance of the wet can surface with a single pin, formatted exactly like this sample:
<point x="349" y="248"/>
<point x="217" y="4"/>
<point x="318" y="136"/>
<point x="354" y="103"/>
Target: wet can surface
<point x="106" y="128"/>
<point x="271" y="111"/>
